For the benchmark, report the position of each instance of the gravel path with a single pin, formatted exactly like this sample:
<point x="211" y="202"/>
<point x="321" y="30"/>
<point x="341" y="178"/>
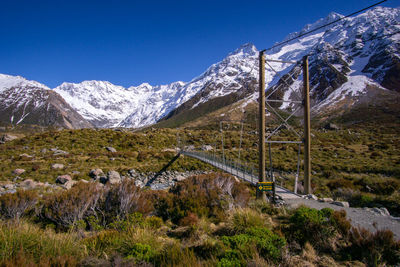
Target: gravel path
<point x="358" y="216"/>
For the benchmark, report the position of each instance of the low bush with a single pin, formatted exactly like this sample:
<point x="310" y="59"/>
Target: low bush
<point x="320" y="228"/>
<point x="13" y="206"/>
<point x="208" y="195"/>
<point x="242" y="219"/>
<point x="255" y="240"/>
<point x="340" y="183"/>
<point x="66" y="208"/>
<point x="24" y="244"/>
<point x="122" y="199"/>
<point x="373" y="248"/>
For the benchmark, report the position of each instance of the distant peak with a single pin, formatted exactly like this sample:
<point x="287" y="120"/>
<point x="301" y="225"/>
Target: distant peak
<point x="245" y="49"/>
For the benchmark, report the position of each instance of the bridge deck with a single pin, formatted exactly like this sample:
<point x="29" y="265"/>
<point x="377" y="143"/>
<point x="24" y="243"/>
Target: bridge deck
<point x="236" y="171"/>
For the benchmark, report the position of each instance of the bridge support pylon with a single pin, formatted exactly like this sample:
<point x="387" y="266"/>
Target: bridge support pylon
<point x="261" y="125"/>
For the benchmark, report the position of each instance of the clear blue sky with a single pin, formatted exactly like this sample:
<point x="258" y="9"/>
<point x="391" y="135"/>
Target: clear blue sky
<point x="130" y="42"/>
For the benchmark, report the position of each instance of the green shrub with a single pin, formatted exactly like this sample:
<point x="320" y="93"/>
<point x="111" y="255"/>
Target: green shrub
<point x="267" y="244"/>
<point x="231" y="258"/>
<point x="318" y="227"/>
<point x="361" y="200"/>
<point x="141" y="252"/>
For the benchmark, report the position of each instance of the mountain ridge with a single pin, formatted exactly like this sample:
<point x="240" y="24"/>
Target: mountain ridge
<point x="348" y="57"/>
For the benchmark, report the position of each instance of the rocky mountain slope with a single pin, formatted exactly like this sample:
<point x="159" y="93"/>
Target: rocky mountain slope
<point x="29" y="102"/>
<point x="348" y="61"/>
<point x="349" y="64"/>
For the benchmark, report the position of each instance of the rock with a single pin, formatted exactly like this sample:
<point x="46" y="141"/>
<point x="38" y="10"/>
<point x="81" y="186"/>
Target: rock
<point x="44" y="150"/>
<point x="139" y="183"/>
<point x="102" y="179"/>
<point x="111" y="149"/>
<point x="8" y="137"/>
<point x="96" y="173"/>
<point x="60" y="152"/>
<point x="76" y="172"/>
<point x="113" y="177"/>
<point x="133" y="173"/>
<point x="311" y="196"/>
<point x="57" y="166"/>
<point x="381" y="211"/>
<point x="18" y="171"/>
<point x="84" y="181"/>
<point x="179" y="178"/>
<point x="69" y="184"/>
<point x="25" y="156"/>
<point x="62" y="179"/>
<point x="112" y="159"/>
<point x="169" y="150"/>
<point x="331" y="126"/>
<point x="28" y="184"/>
<point x="9" y="186"/>
<point x="189" y="148"/>
<point x="344" y="204"/>
<point x="206" y="147"/>
<point x="325" y="199"/>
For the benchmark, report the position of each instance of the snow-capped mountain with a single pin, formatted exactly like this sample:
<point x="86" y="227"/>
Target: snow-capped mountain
<point x="107" y="105"/>
<point x="30" y="102"/>
<point x="347" y="61"/>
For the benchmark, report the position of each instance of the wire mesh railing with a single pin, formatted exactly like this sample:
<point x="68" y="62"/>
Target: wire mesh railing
<point x="238" y="169"/>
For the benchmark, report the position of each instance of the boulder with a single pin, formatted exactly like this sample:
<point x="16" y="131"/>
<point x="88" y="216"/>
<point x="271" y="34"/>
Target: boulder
<point x="9" y="186"/>
<point x="57" y="166"/>
<point x="326" y="199"/>
<point x="344" y="204"/>
<point x="133" y="173"/>
<point x="189" y="148"/>
<point x="102" y="179"/>
<point x="381" y="211"/>
<point x="69" y="184"/>
<point x="59" y="152"/>
<point x="206" y="147"/>
<point x="96" y="173"/>
<point x="311" y="196"/>
<point x="25" y="156"/>
<point x="331" y="126"/>
<point x="7" y="137"/>
<point x="28" y="184"/>
<point x="111" y="149"/>
<point x="18" y="171"/>
<point x="62" y="179"/>
<point x="113" y="177"/>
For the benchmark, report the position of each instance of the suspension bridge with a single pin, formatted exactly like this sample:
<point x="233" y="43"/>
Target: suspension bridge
<point x="241" y="171"/>
<point x="259" y="177"/>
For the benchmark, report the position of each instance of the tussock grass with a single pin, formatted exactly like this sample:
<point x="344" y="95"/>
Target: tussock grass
<point x="27" y="244"/>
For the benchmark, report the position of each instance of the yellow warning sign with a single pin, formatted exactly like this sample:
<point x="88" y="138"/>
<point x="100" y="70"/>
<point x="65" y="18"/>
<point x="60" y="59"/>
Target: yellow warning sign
<point x="265" y="186"/>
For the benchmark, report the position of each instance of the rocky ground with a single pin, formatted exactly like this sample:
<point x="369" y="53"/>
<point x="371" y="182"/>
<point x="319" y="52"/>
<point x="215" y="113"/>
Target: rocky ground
<point x="156" y="181"/>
